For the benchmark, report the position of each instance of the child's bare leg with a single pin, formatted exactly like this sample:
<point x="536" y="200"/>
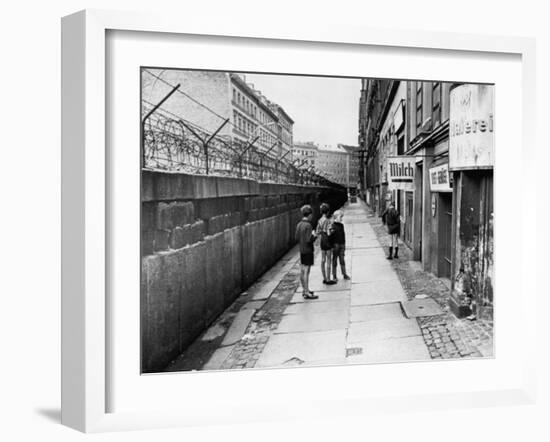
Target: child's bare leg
<point x="302" y="278"/>
<point x="334" y="261"/>
<point x="343" y="264"/>
<point x="323" y="261"/>
<point x="306" y="278"/>
<point x="328" y="263"/>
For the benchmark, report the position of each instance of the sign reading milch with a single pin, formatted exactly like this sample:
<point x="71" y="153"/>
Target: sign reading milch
<point x="471" y="127"/>
<point x="401" y="173"/>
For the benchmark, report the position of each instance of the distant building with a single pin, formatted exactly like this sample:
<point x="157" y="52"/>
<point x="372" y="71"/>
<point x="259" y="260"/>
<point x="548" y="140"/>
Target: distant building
<point x="305" y="154"/>
<point x="352" y="165"/>
<point x="334" y="163"/>
<point x="285" y="128"/>
<point x="339" y="164"/>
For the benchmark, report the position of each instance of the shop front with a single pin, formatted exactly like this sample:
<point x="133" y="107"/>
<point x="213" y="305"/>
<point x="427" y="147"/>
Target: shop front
<point x="471" y="160"/>
<point x="442" y="218"/>
<point x="401" y="184"/>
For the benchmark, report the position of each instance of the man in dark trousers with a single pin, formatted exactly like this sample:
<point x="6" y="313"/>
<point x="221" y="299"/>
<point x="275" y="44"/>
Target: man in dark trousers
<point x="306" y="237"/>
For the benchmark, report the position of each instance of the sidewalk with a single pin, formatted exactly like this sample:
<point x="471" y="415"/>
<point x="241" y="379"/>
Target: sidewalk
<point x="447" y="336"/>
<point x="358" y="321"/>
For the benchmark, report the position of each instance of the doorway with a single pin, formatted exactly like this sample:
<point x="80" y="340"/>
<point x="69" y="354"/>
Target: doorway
<point x="409" y="218"/>
<point x="445" y="234"/>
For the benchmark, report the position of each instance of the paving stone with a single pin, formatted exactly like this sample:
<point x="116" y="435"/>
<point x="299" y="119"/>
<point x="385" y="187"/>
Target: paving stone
<point x="323" y="297"/>
<point x="377" y="292"/>
<point x="318" y="307"/>
<point x="238" y="327"/>
<point x="370" y="274"/>
<point x="316" y="285"/>
<point x="382" y="329"/>
<point x="216" y="360"/>
<point x="376" y="312"/>
<point x="310" y="321"/>
<point x="309" y="347"/>
<point x="421" y="307"/>
<point x="392" y="350"/>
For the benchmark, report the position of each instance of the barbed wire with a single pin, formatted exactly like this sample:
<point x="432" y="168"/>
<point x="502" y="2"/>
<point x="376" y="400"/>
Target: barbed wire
<point x="171" y="142"/>
<point x="170" y="145"/>
<point x="198" y="102"/>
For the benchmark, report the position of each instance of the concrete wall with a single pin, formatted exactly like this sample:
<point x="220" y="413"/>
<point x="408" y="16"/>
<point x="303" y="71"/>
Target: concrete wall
<point x="203" y="241"/>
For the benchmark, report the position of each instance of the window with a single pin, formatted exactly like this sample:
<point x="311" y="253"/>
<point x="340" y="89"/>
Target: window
<point x="418" y="104"/>
<point x="436" y="103"/>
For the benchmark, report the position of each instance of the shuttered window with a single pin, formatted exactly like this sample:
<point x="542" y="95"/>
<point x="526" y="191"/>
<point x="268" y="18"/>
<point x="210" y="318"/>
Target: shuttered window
<point x="418" y="105"/>
<point x="436" y="103"/>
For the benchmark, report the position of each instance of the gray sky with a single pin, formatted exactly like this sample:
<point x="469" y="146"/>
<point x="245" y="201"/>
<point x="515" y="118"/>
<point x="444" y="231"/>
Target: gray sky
<point x="324" y="110"/>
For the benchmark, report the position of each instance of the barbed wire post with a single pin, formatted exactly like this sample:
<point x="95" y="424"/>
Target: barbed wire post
<point x="248" y="146"/>
<point x="280" y="161"/>
<point x="207" y="142"/>
<point x="146" y="117"/>
<point x="262" y="155"/>
<point x="204" y="142"/>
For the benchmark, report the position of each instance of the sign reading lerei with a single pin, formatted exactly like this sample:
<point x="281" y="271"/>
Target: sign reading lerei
<point x="401" y="173"/>
<point x="471" y="127"/>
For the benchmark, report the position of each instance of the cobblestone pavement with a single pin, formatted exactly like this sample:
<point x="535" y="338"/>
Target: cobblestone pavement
<point x="445" y="335"/>
<point x="247" y="351"/>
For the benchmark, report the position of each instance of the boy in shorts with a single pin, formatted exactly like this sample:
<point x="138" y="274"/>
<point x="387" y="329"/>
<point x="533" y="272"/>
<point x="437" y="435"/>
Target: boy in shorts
<point x="323" y="229"/>
<point x="338" y="240"/>
<point x="306" y="237"/>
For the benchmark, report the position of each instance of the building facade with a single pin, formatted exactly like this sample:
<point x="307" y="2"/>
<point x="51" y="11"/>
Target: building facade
<point x="428" y="147"/>
<point x="352" y="166"/>
<point x="209" y="97"/>
<point x="333" y="164"/>
<point x="305" y="154"/>
<point x="285" y="129"/>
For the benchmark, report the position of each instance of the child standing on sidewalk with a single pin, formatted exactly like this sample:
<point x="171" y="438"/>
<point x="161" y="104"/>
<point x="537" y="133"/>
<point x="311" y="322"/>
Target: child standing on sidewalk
<point x="323" y="229"/>
<point x="391" y="218"/>
<point x="306" y="237"/>
<point x="338" y="240"/>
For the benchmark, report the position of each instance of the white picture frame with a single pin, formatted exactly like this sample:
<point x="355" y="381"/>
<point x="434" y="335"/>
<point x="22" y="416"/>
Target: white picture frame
<point x="85" y="350"/>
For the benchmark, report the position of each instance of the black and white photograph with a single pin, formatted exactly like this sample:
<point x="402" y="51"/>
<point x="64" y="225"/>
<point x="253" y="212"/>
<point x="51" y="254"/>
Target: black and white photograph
<point x="298" y="221"/>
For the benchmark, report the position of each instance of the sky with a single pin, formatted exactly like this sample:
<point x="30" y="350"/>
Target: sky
<point x="324" y="110"/>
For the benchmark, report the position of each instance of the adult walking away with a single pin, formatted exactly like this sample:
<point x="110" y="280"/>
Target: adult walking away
<point x="323" y="230"/>
<point x="338" y="240"/>
<point x="392" y="220"/>
<point x="306" y="237"/>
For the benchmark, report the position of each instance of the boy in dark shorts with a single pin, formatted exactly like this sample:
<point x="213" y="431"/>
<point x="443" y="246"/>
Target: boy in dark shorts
<point x="306" y="237"/>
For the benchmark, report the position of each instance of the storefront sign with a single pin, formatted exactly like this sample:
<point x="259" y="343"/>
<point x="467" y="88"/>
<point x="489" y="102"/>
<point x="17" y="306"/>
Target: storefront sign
<point x="398" y="117"/>
<point x="440" y="179"/>
<point x="401" y="173"/>
<point x="471" y="127"/>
